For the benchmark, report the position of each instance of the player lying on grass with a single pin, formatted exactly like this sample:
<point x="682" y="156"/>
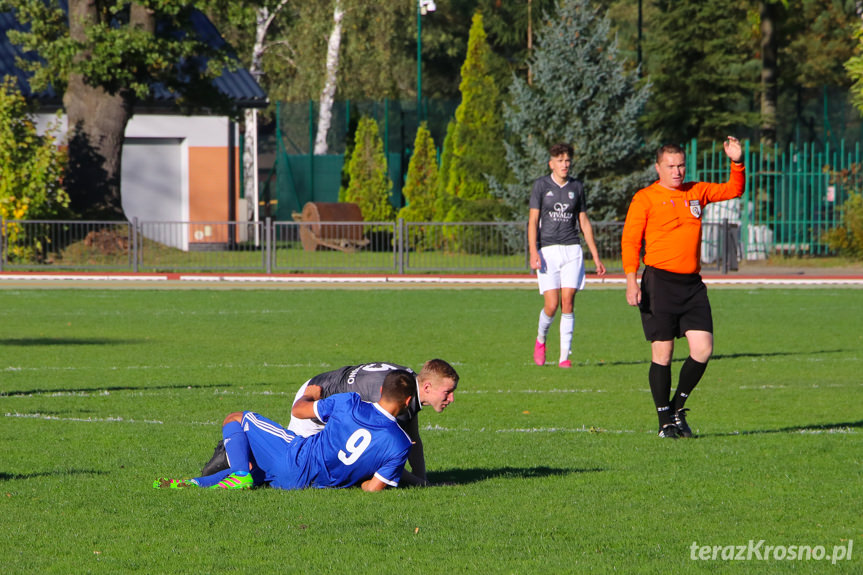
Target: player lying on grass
<point x="435" y="386"/>
<point x="361" y="444"/>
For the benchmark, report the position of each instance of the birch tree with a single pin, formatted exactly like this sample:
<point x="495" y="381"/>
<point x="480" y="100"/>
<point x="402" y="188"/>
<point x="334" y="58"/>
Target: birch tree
<point x="325" y="112"/>
<point x="264" y="18"/>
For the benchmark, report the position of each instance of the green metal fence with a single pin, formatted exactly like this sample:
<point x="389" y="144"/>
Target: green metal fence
<point x="297" y="176"/>
<point x="793" y="195"/>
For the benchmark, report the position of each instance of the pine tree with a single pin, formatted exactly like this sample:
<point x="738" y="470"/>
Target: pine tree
<point x="369" y="185"/>
<point x="475" y="146"/>
<point x="583" y="95"/>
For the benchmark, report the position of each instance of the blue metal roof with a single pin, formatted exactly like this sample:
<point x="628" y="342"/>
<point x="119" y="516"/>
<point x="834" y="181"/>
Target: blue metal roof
<point x="237" y="84"/>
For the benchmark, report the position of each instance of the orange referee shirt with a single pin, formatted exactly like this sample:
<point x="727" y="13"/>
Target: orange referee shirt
<point x="669" y="222"/>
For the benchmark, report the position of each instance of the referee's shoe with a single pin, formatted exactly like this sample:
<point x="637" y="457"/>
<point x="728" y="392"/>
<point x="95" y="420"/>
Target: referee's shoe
<point x="669" y="431"/>
<point x="679" y="419"/>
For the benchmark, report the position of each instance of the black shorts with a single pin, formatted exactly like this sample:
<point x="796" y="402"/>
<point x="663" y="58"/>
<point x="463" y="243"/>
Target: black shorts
<point x="672" y="304"/>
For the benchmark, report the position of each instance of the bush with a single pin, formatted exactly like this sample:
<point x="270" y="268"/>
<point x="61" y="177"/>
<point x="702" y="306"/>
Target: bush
<point x="369" y="184"/>
<point x="477" y="240"/>
<point x="31" y="172"/>
<point x="847" y="239"/>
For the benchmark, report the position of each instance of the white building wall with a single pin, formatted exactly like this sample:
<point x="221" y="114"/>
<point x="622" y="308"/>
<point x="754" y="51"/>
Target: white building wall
<point x="155" y="178"/>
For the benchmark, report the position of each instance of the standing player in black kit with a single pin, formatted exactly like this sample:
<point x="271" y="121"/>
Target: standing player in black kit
<point x="557" y="221"/>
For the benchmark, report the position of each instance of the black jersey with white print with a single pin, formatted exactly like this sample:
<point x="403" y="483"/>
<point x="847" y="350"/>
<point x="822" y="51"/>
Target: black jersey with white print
<point x="558" y="207"/>
<point x="365" y="379"/>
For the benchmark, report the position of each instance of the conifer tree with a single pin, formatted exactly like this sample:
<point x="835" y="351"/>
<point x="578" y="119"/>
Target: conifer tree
<point x="443" y="203"/>
<point x="420" y="190"/>
<point x="476" y="142"/>
<point x="369" y="185"/>
<point x="583" y="95"/>
<point x="422" y="179"/>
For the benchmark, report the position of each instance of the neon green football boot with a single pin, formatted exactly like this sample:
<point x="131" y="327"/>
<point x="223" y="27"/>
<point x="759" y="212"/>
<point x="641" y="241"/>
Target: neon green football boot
<point x="238" y="480"/>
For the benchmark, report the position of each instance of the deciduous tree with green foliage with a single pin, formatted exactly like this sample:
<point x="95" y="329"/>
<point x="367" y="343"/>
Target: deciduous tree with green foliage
<point x="373" y="61"/>
<point x="369" y="185"/>
<point x="847" y="238"/>
<point x="582" y="95"/>
<point x="31" y="167"/>
<point x="258" y="27"/>
<point x="854" y="67"/>
<point x="700" y="59"/>
<point x="105" y="57"/>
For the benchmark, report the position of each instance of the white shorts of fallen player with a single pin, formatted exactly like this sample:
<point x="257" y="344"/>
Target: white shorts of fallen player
<point x="561" y="267"/>
<point x="304" y="427"/>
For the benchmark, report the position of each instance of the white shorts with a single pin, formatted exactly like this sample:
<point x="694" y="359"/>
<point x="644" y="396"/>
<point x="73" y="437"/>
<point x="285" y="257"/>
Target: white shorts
<point x="562" y="267"/>
<point x="303" y="427"/>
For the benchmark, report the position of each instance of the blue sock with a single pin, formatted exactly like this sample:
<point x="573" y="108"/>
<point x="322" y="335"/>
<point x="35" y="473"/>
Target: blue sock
<point x="236" y="446"/>
<point x="210" y="480"/>
<point x="237" y="450"/>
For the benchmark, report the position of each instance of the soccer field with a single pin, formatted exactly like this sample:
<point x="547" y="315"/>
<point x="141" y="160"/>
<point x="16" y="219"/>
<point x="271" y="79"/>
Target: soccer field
<point x="544" y="470"/>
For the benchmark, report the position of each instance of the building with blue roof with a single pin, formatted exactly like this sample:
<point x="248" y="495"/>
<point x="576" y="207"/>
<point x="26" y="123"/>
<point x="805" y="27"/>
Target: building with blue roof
<point x="176" y="167"/>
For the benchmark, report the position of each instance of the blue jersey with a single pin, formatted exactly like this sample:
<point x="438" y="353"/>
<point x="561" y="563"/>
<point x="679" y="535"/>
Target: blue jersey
<point x="360" y="440"/>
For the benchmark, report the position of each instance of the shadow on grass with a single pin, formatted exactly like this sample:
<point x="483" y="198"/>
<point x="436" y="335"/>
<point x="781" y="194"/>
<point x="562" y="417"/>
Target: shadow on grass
<point x="113" y="388"/>
<point x="19" y="476"/>
<point x="473" y="475"/>
<point x="42" y="341"/>
<point x="720" y="356"/>
<point x="774" y="354"/>
<point x="791" y="429"/>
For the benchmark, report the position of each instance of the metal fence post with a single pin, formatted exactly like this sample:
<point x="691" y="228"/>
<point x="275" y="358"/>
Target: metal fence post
<point x="2" y="243"/>
<point x="401" y="243"/>
<point x="269" y="248"/>
<point x="136" y="253"/>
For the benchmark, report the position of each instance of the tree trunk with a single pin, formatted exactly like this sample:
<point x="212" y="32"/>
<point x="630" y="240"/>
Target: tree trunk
<point x="263" y="19"/>
<point x="768" y="71"/>
<point x="97" y="123"/>
<point x="325" y="115"/>
<point x="250" y="165"/>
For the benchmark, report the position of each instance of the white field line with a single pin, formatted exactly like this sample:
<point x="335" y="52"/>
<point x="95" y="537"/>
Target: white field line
<point x="428" y="428"/>
<point x="266" y="365"/>
<point x="218" y="366"/>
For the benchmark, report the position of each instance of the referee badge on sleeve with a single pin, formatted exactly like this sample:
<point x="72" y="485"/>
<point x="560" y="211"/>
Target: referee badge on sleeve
<point x="695" y="208"/>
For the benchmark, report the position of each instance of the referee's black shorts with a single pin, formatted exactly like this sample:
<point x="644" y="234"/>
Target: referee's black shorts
<point x="672" y="304"/>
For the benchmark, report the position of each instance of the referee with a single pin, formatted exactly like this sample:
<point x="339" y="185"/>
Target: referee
<point x="666" y="218"/>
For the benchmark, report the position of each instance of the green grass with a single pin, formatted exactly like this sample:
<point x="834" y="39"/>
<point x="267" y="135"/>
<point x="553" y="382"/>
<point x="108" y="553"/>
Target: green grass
<point x="102" y="391"/>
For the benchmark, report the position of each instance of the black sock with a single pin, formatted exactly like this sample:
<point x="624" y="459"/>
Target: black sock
<point x="660" y="386"/>
<point x="690" y="375"/>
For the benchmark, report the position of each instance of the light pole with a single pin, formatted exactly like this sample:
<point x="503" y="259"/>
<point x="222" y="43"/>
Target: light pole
<point x="423" y="7"/>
